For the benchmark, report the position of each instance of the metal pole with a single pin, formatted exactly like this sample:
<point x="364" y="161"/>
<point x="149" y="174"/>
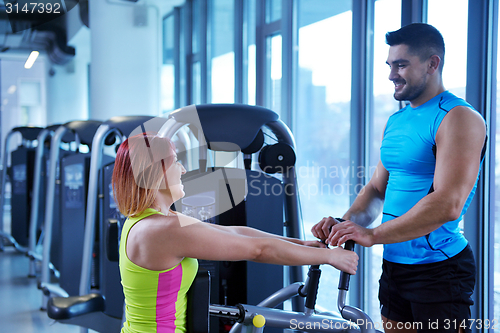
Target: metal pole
<point x="35" y="204"/>
<point x="4" y="179"/>
<point x="90" y="215"/>
<point x="49" y="207"/>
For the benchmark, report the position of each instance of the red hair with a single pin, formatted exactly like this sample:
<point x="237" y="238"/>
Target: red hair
<point x="139" y="171"/>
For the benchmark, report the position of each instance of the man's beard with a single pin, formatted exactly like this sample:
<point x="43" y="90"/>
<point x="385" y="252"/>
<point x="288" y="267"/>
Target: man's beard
<point x="409" y="93"/>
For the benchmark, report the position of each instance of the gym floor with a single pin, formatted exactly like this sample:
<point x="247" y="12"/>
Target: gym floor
<point x="20" y="299"/>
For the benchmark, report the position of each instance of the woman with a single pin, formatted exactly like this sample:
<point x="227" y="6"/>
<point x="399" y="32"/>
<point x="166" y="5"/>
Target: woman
<point x="159" y="247"/>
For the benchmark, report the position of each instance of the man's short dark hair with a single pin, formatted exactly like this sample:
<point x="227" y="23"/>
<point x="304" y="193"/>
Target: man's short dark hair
<point x="422" y="40"/>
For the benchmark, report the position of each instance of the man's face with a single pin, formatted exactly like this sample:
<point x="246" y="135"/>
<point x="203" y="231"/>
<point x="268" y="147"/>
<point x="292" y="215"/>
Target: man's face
<point x="408" y="73"/>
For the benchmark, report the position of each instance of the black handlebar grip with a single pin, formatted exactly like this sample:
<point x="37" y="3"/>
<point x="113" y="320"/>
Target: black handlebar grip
<point x="349" y="245"/>
<point x="345" y="277"/>
<point x="312" y="292"/>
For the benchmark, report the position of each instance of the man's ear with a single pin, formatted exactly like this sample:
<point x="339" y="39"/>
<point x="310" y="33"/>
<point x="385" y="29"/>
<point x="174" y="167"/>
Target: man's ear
<point x="434" y="62"/>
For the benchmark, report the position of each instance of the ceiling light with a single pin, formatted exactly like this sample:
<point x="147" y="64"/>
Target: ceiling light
<point x="31" y="59"/>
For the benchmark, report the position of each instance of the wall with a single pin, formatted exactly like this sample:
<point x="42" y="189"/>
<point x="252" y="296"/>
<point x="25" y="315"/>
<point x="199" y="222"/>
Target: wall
<point x="67" y="92"/>
<point x="116" y="70"/>
<point x="125" y="52"/>
<point x="12" y="74"/>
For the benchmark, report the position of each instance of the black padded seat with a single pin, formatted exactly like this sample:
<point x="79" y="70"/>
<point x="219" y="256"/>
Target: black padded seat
<point x="68" y="136"/>
<point x="128" y="124"/>
<point x="85" y="129"/>
<point x="28" y="132"/>
<point x="198" y="300"/>
<point x="60" y="308"/>
<point x="236" y="123"/>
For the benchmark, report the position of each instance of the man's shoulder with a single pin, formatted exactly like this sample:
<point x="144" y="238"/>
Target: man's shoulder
<point x="449" y="101"/>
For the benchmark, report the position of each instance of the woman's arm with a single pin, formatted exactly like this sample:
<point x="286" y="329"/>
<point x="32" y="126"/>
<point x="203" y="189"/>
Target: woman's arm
<point x="252" y="232"/>
<point x="164" y="242"/>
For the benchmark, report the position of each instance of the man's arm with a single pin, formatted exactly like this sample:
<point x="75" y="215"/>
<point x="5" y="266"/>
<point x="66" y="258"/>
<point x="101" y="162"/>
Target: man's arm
<point x="368" y="204"/>
<point x="459" y="142"/>
<point x="365" y="209"/>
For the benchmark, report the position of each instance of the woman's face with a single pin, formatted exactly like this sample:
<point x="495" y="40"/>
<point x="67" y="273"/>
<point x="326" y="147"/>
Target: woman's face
<point x="173" y="175"/>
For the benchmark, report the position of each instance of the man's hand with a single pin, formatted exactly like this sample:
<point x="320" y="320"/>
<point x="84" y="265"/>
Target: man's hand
<point x="342" y="232"/>
<point x="321" y="230"/>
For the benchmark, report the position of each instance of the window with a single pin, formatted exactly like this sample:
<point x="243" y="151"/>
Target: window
<point x="384" y="105"/>
<point x="196" y="83"/>
<point x="198" y="52"/>
<point x="249" y="61"/>
<point x="496" y="254"/>
<point x="196" y="26"/>
<point x="454" y="31"/>
<point x="168" y="68"/>
<point x="273" y="10"/>
<point x="323" y="119"/>
<point x="183" y="85"/>
<point x="273" y="73"/>
<point x="222" y="64"/>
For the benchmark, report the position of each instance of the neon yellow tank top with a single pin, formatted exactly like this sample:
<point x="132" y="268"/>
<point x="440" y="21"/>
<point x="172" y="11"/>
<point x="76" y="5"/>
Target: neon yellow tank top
<point x="156" y="301"/>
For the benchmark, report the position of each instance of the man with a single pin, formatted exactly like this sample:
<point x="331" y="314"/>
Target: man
<point x="423" y="184"/>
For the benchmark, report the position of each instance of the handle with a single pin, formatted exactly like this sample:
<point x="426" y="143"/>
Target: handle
<point x="312" y="287"/>
<point x="345" y="277"/>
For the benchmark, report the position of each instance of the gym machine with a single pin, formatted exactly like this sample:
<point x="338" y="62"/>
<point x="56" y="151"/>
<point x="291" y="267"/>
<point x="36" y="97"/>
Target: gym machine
<point x="100" y="307"/>
<point x="63" y="227"/>
<point x="216" y="194"/>
<point x="227" y="187"/>
<point x="254" y="319"/>
<point x="251" y="196"/>
<point x="21" y="179"/>
<point x="40" y="178"/>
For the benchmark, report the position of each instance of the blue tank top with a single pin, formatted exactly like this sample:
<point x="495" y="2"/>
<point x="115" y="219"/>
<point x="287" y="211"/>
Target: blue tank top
<point x="407" y="154"/>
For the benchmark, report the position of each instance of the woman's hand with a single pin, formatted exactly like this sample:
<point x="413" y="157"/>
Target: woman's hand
<point x="345" y="260"/>
<point x="314" y="243"/>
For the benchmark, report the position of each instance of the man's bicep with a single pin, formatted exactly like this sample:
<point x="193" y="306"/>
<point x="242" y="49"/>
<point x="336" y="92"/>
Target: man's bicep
<point x="379" y="179"/>
<point x="459" y="143"/>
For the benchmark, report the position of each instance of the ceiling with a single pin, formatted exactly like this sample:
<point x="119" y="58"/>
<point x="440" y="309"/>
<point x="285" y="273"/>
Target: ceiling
<point x="22" y="31"/>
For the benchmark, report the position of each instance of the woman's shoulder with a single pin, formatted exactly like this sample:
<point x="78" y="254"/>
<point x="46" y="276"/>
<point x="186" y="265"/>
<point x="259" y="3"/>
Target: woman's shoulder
<point x="156" y="224"/>
<point x="154" y="235"/>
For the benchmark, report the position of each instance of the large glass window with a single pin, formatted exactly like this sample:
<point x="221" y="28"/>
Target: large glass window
<point x="197" y="48"/>
<point x="183" y="86"/>
<point x="222" y="37"/>
<point x="323" y="119"/>
<point x="454" y="31"/>
<point x="196" y="26"/>
<point x="168" y="68"/>
<point x="273" y="10"/>
<point x="273" y="75"/>
<point x="196" y="83"/>
<point x="384" y="105"/>
<point x="496" y="254"/>
<point x="250" y="57"/>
